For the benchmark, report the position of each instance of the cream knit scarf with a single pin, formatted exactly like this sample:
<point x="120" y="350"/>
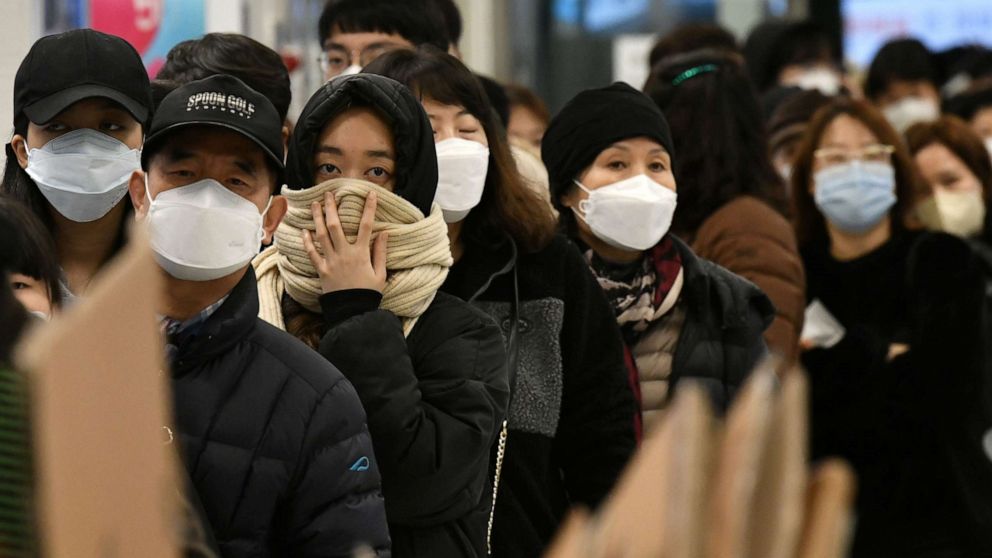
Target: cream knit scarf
<point x="418" y="254"/>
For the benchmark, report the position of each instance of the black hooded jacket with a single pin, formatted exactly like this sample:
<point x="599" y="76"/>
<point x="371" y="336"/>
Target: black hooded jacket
<point x="436" y="398"/>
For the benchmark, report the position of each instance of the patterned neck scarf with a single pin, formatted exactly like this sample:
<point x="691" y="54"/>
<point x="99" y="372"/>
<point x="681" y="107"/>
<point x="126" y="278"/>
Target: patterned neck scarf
<point x="642" y="292"/>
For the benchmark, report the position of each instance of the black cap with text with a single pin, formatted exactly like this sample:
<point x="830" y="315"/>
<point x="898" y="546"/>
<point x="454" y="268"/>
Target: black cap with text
<point x="220" y="100"/>
<point x="63" y="69"/>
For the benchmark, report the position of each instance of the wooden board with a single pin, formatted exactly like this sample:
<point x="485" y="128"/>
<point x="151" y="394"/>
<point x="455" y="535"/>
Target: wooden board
<point x="104" y="478"/>
<point x="657" y="509"/>
<point x="738" y="467"/>
<point x="780" y="495"/>
<point x="827" y="528"/>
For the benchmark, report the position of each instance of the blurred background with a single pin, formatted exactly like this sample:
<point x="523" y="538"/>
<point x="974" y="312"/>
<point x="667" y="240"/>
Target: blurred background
<point x="556" y="47"/>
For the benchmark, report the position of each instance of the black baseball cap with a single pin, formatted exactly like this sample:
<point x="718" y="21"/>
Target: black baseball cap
<point x="219" y="100"/>
<point x="62" y="69"/>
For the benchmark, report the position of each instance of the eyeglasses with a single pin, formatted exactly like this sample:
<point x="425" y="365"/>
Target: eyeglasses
<point x="878" y="153"/>
<point x="335" y="60"/>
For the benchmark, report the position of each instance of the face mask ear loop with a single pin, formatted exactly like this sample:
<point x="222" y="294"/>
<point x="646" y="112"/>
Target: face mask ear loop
<point x="583" y="203"/>
<point x="148" y="193"/>
<point x="267" y="206"/>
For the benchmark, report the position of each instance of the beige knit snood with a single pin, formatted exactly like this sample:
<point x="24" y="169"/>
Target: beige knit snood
<point x="418" y="254"/>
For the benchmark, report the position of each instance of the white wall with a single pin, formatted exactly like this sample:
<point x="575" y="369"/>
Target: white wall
<point x="19" y="27"/>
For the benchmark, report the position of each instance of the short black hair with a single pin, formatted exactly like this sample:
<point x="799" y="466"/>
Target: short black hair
<point x="452" y="19"/>
<point x="27" y="248"/>
<point x="775" y="44"/>
<point x="901" y="59"/>
<point x="418" y="21"/>
<point x="260" y="67"/>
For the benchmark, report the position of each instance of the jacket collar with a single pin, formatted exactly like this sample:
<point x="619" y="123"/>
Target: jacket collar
<point x="482" y="263"/>
<point x="707" y="285"/>
<point x="227" y="327"/>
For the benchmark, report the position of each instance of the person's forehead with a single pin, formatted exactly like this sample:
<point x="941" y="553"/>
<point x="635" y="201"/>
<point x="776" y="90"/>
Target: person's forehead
<point x="360" y="39"/>
<point x="213" y="141"/>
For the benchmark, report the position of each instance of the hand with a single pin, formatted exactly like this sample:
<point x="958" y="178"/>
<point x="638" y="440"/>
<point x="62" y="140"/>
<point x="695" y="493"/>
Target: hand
<point x="344" y="265"/>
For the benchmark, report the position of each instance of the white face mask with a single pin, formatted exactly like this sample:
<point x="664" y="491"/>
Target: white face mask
<point x="83" y="173"/>
<point x="824" y="80"/>
<point x="633" y="214"/>
<point x="988" y="145"/>
<point x="203" y="231"/>
<point x="351" y="70"/>
<point x="911" y="110"/>
<point x="462" y="166"/>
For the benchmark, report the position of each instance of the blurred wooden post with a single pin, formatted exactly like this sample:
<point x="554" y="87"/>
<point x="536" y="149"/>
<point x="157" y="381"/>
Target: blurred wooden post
<point x="827" y="529"/>
<point x="779" y="500"/>
<point x="104" y="479"/>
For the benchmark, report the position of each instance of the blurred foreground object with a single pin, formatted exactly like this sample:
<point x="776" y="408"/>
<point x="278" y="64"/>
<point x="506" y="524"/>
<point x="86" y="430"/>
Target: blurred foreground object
<point x="741" y="489"/>
<point x="102" y="477"/>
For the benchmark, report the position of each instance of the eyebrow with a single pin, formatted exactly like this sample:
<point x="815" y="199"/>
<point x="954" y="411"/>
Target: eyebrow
<point x="177" y="154"/>
<point x="375" y="153"/>
<point x="247" y="166"/>
<point x="380" y="154"/>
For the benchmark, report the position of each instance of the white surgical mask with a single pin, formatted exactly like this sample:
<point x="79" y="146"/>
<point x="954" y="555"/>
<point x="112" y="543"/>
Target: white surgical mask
<point x="911" y="110"/>
<point x="203" y="231"/>
<point x="462" y="166"/>
<point x="633" y="214"/>
<point x="988" y="145"/>
<point x="823" y="79"/>
<point x="351" y="70"/>
<point x="83" y="173"/>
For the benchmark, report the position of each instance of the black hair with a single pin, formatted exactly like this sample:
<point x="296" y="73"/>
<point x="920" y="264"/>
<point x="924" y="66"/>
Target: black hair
<point x="508" y="206"/>
<point x="27" y="247"/>
<point x="452" y="19"/>
<point x="418" y="21"/>
<point x="719" y="135"/>
<point x="260" y="67"/>
<point x="692" y="36"/>
<point x="901" y="59"/>
<point x="776" y="44"/>
<point x="498" y="98"/>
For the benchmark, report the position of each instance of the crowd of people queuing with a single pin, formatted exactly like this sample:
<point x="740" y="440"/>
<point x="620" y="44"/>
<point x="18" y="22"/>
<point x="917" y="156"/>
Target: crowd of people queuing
<point x="426" y="317"/>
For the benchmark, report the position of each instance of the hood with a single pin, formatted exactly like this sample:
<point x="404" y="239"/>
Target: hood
<point x="416" y="161"/>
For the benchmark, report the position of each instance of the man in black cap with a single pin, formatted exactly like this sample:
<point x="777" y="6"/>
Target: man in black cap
<point x="273" y="436"/>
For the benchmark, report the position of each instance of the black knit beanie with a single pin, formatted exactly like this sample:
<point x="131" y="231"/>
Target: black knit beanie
<point x="592" y="121"/>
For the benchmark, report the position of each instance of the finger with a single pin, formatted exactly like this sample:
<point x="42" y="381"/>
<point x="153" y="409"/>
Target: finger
<point x="311" y="249"/>
<point x="379" y="255"/>
<point x="321" y="228"/>
<point x="368" y="218"/>
<point x="334" y="227"/>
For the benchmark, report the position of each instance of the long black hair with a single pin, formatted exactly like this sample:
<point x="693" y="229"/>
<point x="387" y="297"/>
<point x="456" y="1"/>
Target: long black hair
<point x="717" y="127"/>
<point x="507" y="204"/>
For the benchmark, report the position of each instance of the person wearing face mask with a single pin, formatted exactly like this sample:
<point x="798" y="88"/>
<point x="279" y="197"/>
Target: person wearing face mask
<point x="957" y="168"/>
<point x="272" y="435"/>
<point x="81" y="104"/>
<point x="610" y="156"/>
<point x="355" y="272"/>
<point x="899" y="389"/>
<point x="902" y="82"/>
<point x="732" y="206"/>
<point x="29" y="257"/>
<point x="571" y="416"/>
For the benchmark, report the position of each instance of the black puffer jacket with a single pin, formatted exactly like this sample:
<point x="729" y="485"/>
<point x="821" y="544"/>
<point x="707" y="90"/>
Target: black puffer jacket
<point x="435" y="399"/>
<point x="721" y="339"/>
<point x="274" y="439"/>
